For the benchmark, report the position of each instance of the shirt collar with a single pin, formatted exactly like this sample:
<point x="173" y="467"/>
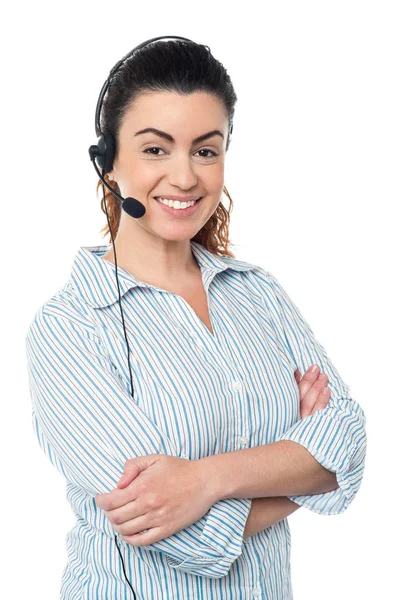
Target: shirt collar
<point x="94" y="278"/>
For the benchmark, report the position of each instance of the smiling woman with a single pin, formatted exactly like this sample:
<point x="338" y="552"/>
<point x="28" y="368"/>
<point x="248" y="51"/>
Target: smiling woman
<point x="169" y="352"/>
<point x="168" y="168"/>
<point x="170" y="162"/>
<point x="170" y="110"/>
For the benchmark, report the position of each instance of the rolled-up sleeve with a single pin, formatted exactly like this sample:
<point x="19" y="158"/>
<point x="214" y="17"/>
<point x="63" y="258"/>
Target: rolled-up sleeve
<point x="89" y="426"/>
<point x="334" y="435"/>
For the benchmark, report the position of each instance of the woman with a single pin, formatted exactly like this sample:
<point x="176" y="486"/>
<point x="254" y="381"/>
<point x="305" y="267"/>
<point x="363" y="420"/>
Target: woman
<point x="207" y="391"/>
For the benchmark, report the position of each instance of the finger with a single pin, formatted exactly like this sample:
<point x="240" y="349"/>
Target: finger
<point x="131" y="520"/>
<point x="130" y="472"/>
<point x="125" y="513"/>
<point x="309" y="400"/>
<point x="155" y="534"/>
<point x="115" y="499"/>
<point x="135" y="526"/>
<point x="322" y="400"/>
<point x="297" y="375"/>
<point x="308" y="379"/>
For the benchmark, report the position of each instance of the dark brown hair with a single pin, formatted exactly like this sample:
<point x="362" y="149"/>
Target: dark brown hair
<point x="176" y="66"/>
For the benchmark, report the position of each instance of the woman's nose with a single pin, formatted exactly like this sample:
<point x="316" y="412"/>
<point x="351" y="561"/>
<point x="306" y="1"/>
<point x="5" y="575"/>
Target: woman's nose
<point x="182" y="173"/>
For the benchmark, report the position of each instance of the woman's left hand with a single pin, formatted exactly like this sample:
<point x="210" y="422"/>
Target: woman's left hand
<point x="158" y="493"/>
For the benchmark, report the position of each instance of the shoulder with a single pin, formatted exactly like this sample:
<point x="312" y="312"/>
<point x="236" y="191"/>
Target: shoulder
<point x="256" y="274"/>
<point x="258" y="279"/>
<point x="64" y="308"/>
<point x="244" y="266"/>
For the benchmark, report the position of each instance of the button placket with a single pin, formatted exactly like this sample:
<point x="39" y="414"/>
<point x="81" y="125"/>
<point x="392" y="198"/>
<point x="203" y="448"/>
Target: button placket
<point x="243" y="441"/>
<point x="236" y="386"/>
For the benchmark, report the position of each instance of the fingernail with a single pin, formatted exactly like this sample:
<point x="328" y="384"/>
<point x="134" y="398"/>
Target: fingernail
<point x="314" y="369"/>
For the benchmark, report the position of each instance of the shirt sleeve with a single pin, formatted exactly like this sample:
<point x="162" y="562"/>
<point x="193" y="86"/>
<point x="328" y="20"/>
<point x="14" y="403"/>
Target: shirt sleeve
<point x="335" y="435"/>
<point x="89" y="426"/>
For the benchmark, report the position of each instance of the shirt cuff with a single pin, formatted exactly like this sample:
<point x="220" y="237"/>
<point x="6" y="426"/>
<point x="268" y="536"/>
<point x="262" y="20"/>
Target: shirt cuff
<point x="336" y="438"/>
<point x="222" y="538"/>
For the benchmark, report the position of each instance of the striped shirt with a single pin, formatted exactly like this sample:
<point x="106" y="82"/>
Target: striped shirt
<point x="195" y="395"/>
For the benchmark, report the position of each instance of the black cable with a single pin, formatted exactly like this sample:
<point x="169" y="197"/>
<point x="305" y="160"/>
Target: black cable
<point x="123" y="566"/>
<point x="128" y="354"/>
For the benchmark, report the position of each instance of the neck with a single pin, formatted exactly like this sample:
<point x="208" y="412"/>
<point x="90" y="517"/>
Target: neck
<point x="153" y="260"/>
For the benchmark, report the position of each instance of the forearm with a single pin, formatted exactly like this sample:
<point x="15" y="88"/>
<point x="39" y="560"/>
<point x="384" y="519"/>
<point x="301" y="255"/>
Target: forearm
<point x="266" y="512"/>
<point x="282" y="468"/>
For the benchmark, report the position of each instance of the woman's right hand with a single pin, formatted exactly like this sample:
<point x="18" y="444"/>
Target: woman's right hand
<point x="314" y="394"/>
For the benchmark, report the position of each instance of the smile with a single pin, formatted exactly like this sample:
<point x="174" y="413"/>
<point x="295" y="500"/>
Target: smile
<point x="178" y="212"/>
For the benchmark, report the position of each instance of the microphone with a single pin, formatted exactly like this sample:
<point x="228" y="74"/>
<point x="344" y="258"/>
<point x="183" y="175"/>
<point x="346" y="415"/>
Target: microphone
<point x="131" y="206"/>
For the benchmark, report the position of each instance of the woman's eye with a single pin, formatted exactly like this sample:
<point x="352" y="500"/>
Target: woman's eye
<point x="147" y="151"/>
<point x="208" y="150"/>
<point x="153" y="148"/>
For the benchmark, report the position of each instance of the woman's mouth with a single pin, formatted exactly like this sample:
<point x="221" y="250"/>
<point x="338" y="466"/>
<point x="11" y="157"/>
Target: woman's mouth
<point x="179" y="212"/>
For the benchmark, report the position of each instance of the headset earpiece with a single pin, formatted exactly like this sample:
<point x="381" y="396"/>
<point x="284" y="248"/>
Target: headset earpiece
<point x="105" y="151"/>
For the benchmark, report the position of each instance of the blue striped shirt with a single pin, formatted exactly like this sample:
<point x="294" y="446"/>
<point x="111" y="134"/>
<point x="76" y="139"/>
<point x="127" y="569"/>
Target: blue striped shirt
<point x="195" y="395"/>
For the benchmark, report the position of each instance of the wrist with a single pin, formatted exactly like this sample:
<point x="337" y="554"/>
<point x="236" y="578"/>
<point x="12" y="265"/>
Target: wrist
<point x="268" y="511"/>
<point x="211" y="474"/>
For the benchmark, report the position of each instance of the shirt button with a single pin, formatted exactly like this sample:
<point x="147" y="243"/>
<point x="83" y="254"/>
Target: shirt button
<point x="243" y="441"/>
<point x="236" y="385"/>
<point x="256" y="592"/>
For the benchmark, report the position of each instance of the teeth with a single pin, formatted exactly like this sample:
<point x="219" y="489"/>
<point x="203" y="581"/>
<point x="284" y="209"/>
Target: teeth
<point x="176" y="203"/>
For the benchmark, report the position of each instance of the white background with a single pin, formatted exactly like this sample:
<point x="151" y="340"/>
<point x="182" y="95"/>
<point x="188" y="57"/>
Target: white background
<point x="313" y="173"/>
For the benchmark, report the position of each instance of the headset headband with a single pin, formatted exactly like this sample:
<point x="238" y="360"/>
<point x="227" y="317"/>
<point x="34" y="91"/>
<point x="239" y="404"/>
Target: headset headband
<point x="116" y="67"/>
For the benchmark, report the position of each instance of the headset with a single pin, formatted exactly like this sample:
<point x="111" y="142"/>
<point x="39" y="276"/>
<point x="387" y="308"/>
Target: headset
<point x="104" y="153"/>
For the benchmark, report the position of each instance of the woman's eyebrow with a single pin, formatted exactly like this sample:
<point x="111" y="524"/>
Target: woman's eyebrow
<point x="168" y="137"/>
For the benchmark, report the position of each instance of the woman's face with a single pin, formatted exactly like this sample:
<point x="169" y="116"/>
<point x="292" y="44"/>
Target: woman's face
<point x="148" y="165"/>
